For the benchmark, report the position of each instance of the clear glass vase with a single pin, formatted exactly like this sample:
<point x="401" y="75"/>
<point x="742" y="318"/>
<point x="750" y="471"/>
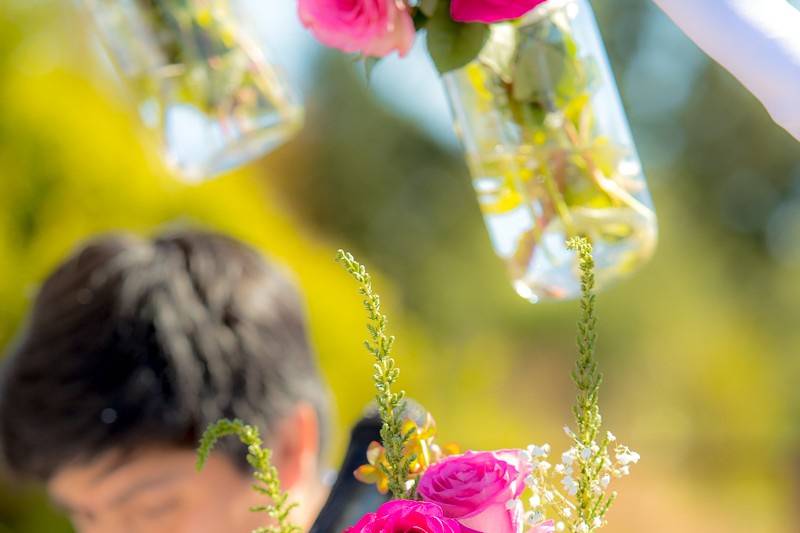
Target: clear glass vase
<point x="202" y="84"/>
<point x="550" y="151"/>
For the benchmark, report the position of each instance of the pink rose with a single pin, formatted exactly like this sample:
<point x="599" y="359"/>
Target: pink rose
<point x="371" y="27"/>
<point x="476" y="487"/>
<point x="402" y="516"/>
<point x="488" y="11"/>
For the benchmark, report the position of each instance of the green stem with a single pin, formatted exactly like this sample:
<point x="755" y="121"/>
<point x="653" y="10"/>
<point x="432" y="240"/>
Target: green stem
<point x="391" y="405"/>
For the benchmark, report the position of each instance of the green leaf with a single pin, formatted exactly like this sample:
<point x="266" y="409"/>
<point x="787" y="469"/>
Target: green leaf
<point x="537" y="71"/>
<point x="547" y="66"/>
<point x="453" y="45"/>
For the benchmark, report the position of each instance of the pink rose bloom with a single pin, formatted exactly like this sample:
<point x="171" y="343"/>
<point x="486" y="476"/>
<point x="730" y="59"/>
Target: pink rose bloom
<point x="488" y="11"/>
<point x="402" y="516"/>
<point x="475" y="488"/>
<point x="373" y="28"/>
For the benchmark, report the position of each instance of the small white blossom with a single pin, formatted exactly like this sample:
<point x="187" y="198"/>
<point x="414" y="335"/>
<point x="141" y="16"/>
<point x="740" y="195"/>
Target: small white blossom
<point x="570" y="485"/>
<point x="568" y="457"/>
<point x="539" y="451"/>
<point x="534" y="517"/>
<point x="535" y="501"/>
<point x="626" y="457"/>
<point x="525" y="456"/>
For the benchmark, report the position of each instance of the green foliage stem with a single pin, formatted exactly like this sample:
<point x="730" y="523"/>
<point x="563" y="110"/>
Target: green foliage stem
<point x="265" y="474"/>
<point x="587" y="378"/>
<point x="586" y="375"/>
<point x="391" y="405"/>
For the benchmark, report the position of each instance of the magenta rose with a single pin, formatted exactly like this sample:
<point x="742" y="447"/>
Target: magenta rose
<point x="488" y="11"/>
<point x="476" y="487"/>
<point x="371" y="27"/>
<point x="403" y="516"/>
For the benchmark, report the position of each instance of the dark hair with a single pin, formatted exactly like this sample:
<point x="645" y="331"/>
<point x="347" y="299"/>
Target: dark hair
<point x="136" y="342"/>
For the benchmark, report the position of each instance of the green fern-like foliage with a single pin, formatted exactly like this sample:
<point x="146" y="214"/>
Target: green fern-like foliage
<point x="587" y="378"/>
<point x="391" y="405"/>
<point x="586" y="375"/>
<point x="265" y="474"/>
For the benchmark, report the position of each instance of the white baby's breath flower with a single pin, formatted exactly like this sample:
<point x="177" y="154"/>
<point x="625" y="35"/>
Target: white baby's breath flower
<point x="535" y="501"/>
<point x="539" y="451"/>
<point x="626" y="457"/>
<point x="534" y="517"/>
<point x="525" y="456"/>
<point x="611" y="437"/>
<point x="560" y="526"/>
<point x="570" y="485"/>
<point x="568" y="457"/>
<point x="605" y="481"/>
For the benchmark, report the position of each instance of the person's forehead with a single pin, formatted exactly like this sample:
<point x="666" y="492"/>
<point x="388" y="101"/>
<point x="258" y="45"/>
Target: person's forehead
<point x="113" y="475"/>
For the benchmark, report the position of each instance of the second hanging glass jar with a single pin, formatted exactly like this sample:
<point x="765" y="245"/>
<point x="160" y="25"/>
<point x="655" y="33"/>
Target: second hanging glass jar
<point x="203" y="85"/>
<point x="550" y="151"/>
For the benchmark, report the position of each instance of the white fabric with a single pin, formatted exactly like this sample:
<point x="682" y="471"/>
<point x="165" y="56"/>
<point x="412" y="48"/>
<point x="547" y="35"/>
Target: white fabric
<point x="758" y="41"/>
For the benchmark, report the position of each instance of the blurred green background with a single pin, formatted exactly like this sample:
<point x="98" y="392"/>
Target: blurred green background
<point x="701" y="349"/>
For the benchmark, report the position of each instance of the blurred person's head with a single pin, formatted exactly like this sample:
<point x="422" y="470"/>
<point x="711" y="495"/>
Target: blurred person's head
<point x="132" y="349"/>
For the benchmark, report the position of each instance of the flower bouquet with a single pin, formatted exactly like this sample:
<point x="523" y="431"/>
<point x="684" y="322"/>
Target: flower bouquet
<point x="435" y="488"/>
<point x="536" y="106"/>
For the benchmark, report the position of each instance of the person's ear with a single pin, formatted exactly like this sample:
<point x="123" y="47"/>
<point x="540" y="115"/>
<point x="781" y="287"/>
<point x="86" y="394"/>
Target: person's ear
<point x="296" y="446"/>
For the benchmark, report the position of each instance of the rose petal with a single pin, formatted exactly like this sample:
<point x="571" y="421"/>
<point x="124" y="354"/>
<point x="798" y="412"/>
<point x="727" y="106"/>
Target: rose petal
<point x="489" y="11"/>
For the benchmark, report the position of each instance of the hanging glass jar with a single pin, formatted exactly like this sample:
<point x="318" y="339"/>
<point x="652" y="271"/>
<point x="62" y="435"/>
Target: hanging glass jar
<point x="550" y="151"/>
<point x="202" y="84"/>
